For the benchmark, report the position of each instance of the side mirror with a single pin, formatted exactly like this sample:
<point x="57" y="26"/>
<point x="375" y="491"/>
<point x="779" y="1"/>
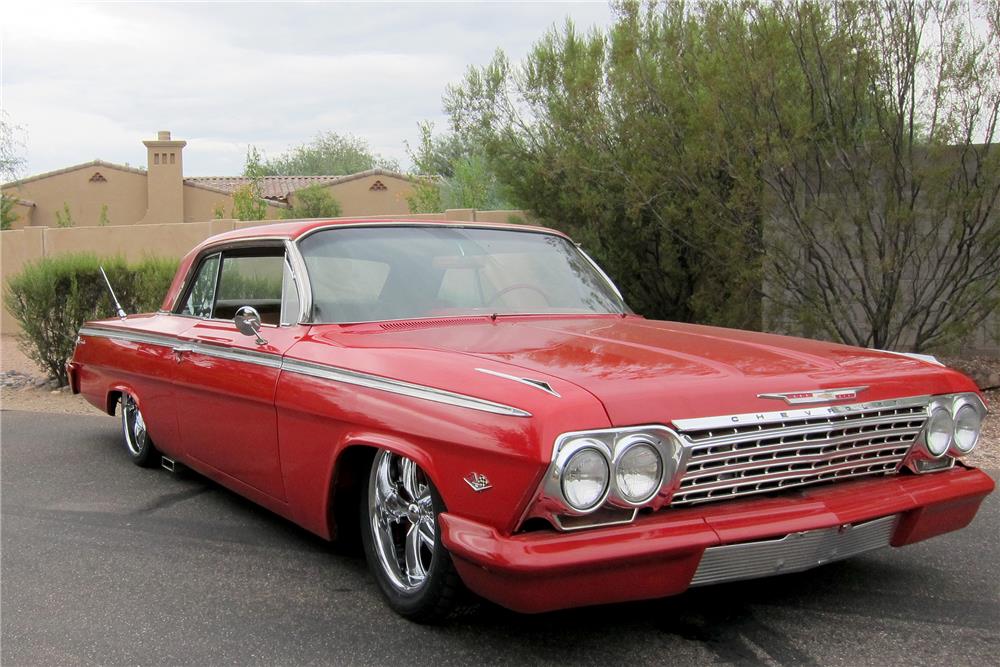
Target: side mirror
<point x="247" y="321"/>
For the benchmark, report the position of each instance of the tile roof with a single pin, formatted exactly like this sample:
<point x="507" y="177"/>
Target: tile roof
<point x="83" y="165"/>
<point x="279" y="187"/>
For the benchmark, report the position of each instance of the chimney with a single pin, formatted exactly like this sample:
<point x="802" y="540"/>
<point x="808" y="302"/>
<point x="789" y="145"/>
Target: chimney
<point x="164" y="179"/>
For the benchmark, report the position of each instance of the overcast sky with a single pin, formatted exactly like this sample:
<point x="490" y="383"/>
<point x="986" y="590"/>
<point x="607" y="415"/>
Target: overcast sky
<point x="90" y="81"/>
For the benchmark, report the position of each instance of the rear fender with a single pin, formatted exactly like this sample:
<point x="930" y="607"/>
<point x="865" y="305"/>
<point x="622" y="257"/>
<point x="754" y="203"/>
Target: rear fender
<point x="115" y="392"/>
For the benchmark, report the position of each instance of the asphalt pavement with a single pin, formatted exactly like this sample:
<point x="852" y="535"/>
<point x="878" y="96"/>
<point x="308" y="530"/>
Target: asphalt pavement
<point x="106" y="563"/>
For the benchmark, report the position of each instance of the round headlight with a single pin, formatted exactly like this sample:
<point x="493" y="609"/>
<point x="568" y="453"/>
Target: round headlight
<point x="585" y="479"/>
<point x="638" y="472"/>
<point x="939" y="430"/>
<point x="967" y="426"/>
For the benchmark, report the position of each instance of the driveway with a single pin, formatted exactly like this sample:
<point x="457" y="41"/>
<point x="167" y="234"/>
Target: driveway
<point x="103" y="562"/>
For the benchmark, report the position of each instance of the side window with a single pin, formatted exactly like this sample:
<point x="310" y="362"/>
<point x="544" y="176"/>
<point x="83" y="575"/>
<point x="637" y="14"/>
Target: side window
<point x="202" y="294"/>
<point x="249" y="280"/>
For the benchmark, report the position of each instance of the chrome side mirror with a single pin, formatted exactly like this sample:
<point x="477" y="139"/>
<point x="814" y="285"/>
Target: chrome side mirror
<point x="247" y="321"/>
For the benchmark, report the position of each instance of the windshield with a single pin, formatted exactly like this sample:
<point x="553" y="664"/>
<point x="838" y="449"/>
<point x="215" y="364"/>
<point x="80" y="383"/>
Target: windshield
<point x="366" y="274"/>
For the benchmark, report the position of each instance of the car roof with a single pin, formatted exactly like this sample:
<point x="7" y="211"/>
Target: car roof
<point x="294" y="229"/>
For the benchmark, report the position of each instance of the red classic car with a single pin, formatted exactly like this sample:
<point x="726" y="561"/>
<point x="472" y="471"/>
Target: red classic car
<point x="479" y="407"/>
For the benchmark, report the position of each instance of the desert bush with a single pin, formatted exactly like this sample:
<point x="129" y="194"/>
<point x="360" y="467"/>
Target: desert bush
<point x="53" y="297"/>
<point x="313" y="201"/>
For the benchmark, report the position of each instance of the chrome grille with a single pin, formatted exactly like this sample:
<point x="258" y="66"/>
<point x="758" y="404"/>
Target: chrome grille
<point x="795" y="448"/>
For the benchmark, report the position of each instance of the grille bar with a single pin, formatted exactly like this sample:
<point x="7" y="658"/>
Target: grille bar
<point x="792" y="553"/>
<point x="800" y="462"/>
<point x="717" y="437"/>
<point x="792" y="449"/>
<point x="784" y="448"/>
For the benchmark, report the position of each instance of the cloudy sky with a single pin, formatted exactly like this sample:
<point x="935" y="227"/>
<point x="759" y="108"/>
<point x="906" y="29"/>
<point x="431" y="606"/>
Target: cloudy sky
<point x="91" y="81"/>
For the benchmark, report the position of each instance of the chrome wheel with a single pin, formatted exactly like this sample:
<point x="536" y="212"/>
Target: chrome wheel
<point x="402" y="520"/>
<point x="138" y="444"/>
<point x="134" y="426"/>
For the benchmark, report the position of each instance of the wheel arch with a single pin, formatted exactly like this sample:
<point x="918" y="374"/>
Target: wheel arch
<point x="114" y="394"/>
<point x="348" y="480"/>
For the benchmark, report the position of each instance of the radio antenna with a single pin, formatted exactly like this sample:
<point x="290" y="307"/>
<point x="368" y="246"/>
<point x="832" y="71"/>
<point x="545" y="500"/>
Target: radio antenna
<point x="118" y="307"/>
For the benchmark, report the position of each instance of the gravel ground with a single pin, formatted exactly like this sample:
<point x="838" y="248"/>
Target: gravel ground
<point x="22" y="387"/>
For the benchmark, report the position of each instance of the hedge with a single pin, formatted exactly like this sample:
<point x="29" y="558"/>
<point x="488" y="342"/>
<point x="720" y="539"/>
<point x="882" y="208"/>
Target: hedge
<point x="53" y="297"/>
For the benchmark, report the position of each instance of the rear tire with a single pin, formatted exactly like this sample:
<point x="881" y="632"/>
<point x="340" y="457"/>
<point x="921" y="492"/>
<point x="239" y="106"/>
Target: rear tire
<point x="138" y="445"/>
<point x="402" y="540"/>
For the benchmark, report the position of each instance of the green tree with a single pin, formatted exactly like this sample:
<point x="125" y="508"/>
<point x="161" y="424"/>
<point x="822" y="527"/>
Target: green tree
<point x="104" y="220"/>
<point x="314" y="201"/>
<point x="839" y="153"/>
<point x="327" y="154"/>
<point x="248" y="202"/>
<point x="452" y="173"/>
<point x="610" y="136"/>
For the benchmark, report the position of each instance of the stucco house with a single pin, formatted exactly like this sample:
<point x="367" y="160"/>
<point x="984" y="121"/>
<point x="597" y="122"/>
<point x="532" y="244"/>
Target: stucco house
<point x="100" y="192"/>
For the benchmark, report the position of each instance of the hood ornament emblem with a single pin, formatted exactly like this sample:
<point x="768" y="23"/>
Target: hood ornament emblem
<point x="817" y="395"/>
<point x="478" y="482"/>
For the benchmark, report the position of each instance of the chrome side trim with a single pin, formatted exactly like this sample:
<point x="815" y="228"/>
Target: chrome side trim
<point x="399" y="387"/>
<point x="794" y="552"/>
<point x="929" y="358"/>
<point x="729" y="421"/>
<point x="334" y="373"/>
<point x="267" y="359"/>
<point x="604" y="275"/>
<point x="537" y="384"/>
<point x="130" y="336"/>
<point x="249" y="356"/>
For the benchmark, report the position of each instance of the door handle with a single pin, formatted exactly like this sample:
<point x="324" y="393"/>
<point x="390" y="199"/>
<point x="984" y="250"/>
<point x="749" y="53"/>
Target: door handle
<point x="179" y="352"/>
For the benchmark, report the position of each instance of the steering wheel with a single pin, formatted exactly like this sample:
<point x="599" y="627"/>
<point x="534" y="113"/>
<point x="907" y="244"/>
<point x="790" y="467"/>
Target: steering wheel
<point x="517" y="286"/>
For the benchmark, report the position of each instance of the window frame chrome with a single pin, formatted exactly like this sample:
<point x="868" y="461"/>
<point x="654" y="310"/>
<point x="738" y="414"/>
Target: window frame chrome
<point x="292" y="256"/>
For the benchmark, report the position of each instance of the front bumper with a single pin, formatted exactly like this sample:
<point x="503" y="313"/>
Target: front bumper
<point x="658" y="555"/>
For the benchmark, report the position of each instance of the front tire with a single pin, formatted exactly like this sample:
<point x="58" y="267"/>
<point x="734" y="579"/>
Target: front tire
<point x="138" y="445"/>
<point x="402" y="541"/>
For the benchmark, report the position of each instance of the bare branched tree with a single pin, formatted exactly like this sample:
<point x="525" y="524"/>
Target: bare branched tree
<point x="11" y="147"/>
<point x="885" y="225"/>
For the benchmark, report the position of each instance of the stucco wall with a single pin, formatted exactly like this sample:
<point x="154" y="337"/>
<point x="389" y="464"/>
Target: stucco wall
<point x="124" y="193"/>
<point x="201" y="204"/>
<point x="24" y="214"/>
<point x="358" y="199"/>
<point x="19" y="247"/>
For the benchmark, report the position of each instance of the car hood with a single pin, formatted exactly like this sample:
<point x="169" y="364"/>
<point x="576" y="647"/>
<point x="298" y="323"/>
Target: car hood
<point x="646" y="371"/>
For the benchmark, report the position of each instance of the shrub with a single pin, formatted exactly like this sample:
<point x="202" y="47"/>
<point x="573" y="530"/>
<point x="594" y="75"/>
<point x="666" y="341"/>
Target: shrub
<point x="7" y="215"/>
<point x="314" y="201"/>
<point x="53" y="297"/>
<point x="64" y="218"/>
